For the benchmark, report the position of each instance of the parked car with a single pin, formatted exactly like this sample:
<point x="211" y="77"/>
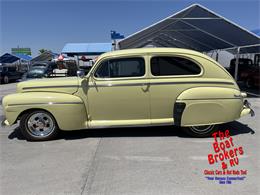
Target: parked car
<point x="86" y="69"/>
<point x="9" y="73"/>
<point x="136" y="87"/>
<point x="251" y="78"/>
<point x="40" y="70"/>
<point x="243" y="65"/>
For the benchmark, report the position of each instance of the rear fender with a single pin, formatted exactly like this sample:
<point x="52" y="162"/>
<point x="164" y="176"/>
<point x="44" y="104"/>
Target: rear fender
<point x="207" y="105"/>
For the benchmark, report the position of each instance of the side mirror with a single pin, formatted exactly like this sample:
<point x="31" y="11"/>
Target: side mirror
<point x="80" y="73"/>
<point x="92" y="74"/>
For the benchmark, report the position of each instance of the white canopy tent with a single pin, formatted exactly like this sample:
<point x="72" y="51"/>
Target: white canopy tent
<point x="197" y="28"/>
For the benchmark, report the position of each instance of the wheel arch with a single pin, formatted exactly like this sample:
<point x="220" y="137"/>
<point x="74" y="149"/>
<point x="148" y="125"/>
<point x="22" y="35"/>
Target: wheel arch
<point x="68" y="110"/>
<point x="207" y="106"/>
<point x="32" y="110"/>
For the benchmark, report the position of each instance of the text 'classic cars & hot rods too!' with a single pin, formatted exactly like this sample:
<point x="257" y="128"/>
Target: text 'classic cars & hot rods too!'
<point x="130" y="88"/>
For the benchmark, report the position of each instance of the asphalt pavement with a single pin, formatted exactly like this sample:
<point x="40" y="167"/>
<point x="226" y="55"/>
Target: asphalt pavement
<point x="158" y="160"/>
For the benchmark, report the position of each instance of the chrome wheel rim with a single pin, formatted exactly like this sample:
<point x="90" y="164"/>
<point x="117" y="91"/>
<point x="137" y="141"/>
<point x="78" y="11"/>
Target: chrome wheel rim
<point x="202" y="129"/>
<point x="40" y="124"/>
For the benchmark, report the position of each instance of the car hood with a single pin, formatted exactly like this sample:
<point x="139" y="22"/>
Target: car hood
<point x="62" y="85"/>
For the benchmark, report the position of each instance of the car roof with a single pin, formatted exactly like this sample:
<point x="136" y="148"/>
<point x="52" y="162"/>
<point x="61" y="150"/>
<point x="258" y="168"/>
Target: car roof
<point x="158" y="50"/>
<point x="153" y="50"/>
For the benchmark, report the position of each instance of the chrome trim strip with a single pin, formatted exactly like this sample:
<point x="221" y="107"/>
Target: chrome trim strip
<point x="118" y="85"/>
<point x="133" y="84"/>
<point x="49" y="103"/>
<point x="212" y="99"/>
<point x="140" y="125"/>
<point x="160" y="83"/>
<point x="191" y="82"/>
<point x="57" y="86"/>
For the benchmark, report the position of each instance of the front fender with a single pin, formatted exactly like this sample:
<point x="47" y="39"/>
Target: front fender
<point x="68" y="110"/>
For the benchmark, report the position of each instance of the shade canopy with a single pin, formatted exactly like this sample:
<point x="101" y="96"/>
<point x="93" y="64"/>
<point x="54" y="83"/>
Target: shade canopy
<point x="86" y="48"/>
<point x="10" y="58"/>
<point x="195" y="27"/>
<point x="45" y="56"/>
<point x="23" y="57"/>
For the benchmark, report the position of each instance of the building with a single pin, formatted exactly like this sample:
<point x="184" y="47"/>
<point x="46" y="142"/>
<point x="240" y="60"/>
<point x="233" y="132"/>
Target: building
<point x="19" y="50"/>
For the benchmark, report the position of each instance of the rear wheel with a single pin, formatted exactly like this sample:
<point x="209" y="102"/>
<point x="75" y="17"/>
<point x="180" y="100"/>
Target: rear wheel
<point x="200" y="131"/>
<point x="38" y="125"/>
<point x="6" y="79"/>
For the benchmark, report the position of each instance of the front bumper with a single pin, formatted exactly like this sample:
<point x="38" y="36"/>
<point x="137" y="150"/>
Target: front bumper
<point x="247" y="109"/>
<point x="5" y="123"/>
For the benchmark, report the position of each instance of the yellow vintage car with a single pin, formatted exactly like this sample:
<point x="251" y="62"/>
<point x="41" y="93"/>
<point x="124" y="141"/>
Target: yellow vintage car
<point x="135" y="87"/>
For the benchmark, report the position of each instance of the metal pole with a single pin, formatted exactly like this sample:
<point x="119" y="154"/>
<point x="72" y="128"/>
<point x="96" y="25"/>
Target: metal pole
<point x="217" y="56"/>
<point x="114" y="44"/>
<point x="237" y="62"/>
<point x="77" y="61"/>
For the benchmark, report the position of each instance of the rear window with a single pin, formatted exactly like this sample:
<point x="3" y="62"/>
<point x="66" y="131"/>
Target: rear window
<point x="172" y="66"/>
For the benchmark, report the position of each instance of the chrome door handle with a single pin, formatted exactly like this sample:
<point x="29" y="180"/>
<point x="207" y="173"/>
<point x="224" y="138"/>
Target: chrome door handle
<point x="145" y="87"/>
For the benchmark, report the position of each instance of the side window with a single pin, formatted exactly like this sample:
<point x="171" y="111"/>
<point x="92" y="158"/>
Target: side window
<point x="166" y="66"/>
<point x="123" y="67"/>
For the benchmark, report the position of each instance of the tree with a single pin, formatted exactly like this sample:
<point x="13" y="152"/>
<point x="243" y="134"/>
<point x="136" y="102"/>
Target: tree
<point x="42" y="50"/>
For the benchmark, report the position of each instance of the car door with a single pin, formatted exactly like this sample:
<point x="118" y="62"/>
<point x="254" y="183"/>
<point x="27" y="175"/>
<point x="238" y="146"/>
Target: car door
<point x="14" y="74"/>
<point x="170" y="75"/>
<point x="118" y="93"/>
<point x="17" y="74"/>
<point x="11" y="73"/>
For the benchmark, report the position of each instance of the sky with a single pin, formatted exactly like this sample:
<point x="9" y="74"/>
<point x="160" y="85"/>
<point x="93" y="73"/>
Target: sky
<point x="50" y="24"/>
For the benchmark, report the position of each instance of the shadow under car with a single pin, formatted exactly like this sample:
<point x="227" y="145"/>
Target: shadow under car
<point x="235" y="128"/>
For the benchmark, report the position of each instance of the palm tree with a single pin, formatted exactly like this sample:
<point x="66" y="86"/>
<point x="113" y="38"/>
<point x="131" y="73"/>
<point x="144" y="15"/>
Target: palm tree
<point x="42" y="50"/>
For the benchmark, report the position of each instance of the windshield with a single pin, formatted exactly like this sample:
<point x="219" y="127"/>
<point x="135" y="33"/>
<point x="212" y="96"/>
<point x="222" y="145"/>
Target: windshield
<point x="39" y="65"/>
<point x="245" y="62"/>
<point x="36" y="73"/>
<point x="242" y="61"/>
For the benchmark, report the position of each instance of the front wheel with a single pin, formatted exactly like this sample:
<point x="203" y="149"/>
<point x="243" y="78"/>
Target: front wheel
<point x="38" y="125"/>
<point x="200" y="131"/>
